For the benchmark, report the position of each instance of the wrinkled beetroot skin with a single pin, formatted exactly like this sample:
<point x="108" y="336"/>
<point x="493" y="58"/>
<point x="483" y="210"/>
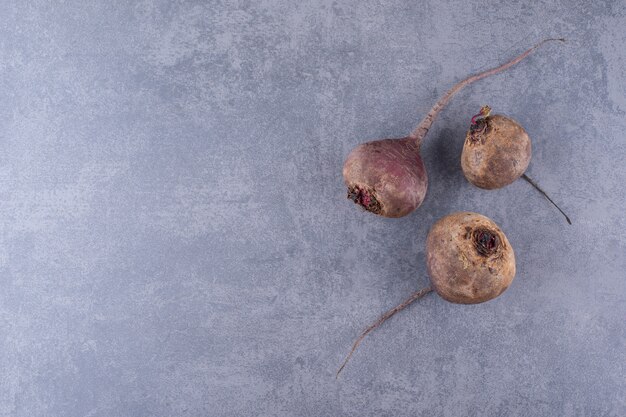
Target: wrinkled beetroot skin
<point x="389" y="172"/>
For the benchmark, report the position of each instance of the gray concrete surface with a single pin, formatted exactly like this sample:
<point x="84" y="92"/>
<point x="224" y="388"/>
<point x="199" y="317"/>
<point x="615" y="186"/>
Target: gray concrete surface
<point x="176" y="241"/>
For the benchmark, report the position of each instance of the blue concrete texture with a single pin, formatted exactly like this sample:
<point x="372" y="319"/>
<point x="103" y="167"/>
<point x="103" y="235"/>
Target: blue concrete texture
<point x="176" y="238"/>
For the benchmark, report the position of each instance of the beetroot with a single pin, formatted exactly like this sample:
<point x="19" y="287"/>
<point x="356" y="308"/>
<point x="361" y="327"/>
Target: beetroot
<point x="469" y="259"/>
<point x="496" y="152"/>
<point x="387" y="177"/>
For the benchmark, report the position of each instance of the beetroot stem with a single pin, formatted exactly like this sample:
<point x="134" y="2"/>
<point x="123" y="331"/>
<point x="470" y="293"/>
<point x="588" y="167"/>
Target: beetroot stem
<point x="415" y="296"/>
<point x="422" y="129"/>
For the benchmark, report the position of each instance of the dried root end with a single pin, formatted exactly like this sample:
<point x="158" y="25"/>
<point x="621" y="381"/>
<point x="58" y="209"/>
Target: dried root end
<point x="485" y="241"/>
<point x="365" y="198"/>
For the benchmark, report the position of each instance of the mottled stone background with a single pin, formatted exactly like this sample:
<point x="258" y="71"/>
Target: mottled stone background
<point x="176" y="241"/>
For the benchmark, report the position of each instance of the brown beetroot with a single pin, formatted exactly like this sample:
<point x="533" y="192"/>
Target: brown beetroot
<point x="469" y="261"/>
<point x="496" y="152"/>
<point x="387" y="177"/>
<point x="469" y="258"/>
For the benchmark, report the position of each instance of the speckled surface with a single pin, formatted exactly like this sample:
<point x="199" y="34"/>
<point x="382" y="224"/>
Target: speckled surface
<point x="176" y="241"/>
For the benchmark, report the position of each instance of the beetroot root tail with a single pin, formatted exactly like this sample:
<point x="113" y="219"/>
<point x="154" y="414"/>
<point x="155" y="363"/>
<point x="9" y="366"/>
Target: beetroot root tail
<point x="415" y="296"/>
<point x="422" y="129"/>
<point x="538" y="188"/>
